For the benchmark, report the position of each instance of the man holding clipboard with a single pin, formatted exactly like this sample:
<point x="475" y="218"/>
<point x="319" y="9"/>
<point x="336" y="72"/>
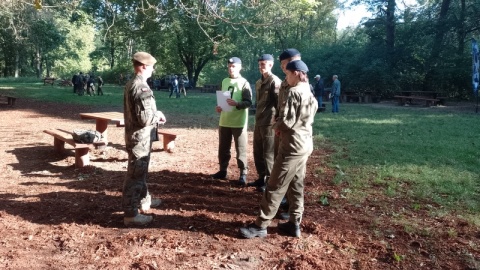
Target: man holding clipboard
<point x="234" y="100"/>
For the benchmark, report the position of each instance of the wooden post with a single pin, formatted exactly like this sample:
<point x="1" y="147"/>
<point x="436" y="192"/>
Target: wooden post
<point x="82" y="158"/>
<point x="58" y="145"/>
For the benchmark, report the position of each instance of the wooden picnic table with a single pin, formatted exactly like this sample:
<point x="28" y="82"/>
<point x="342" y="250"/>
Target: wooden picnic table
<point x="431" y="94"/>
<point x="102" y="119"/>
<point x="359" y="96"/>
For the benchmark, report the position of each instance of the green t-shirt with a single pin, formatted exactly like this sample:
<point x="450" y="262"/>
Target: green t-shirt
<point x="236" y="118"/>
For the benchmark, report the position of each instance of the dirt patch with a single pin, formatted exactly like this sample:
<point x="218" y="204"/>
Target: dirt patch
<point x="54" y="216"/>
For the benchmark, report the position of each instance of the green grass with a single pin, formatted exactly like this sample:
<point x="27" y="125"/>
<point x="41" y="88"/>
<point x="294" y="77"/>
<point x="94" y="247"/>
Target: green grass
<point x="426" y="153"/>
<point x="435" y="154"/>
<point x="196" y="105"/>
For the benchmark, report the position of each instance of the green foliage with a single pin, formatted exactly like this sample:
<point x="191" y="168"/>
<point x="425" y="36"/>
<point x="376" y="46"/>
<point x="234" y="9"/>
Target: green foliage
<point x="196" y="38"/>
<point x="73" y="55"/>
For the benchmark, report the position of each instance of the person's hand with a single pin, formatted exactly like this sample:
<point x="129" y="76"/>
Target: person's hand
<point x="232" y="102"/>
<point x="218" y="109"/>
<point x="162" y="119"/>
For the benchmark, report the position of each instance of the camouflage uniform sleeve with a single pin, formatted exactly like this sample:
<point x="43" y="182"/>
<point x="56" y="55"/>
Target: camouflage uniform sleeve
<point x="145" y="107"/>
<point x="274" y="90"/>
<point x="288" y="116"/>
<point x="246" y="97"/>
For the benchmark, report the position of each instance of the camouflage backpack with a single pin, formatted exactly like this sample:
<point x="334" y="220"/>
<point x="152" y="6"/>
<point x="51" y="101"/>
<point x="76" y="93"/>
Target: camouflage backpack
<point x="86" y="136"/>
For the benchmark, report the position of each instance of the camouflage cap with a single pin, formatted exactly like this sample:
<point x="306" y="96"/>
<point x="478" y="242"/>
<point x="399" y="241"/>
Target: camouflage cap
<point x="144" y="58"/>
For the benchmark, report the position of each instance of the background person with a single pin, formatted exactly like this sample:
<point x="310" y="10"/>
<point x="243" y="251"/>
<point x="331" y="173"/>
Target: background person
<point x="234" y="123"/>
<point x="91" y="85"/>
<point x="335" y="93"/>
<point x="319" y="90"/>
<point x="99" y="86"/>
<point x="181" y="87"/>
<point x="294" y="127"/>
<point x="79" y="84"/>
<point x="74" y="81"/>
<point x="141" y="118"/>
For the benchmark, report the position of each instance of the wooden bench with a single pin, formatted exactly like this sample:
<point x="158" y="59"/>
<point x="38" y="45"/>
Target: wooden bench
<point x="210" y="88"/>
<point x="168" y="140"/>
<point x="65" y="83"/>
<point x="82" y="156"/>
<point x="402" y="100"/>
<point x="442" y="100"/>
<point x="48" y="80"/>
<point x="10" y="99"/>
<point x="352" y="98"/>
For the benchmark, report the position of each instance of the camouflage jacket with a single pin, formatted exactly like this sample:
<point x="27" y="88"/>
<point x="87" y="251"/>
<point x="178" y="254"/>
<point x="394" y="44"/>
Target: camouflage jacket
<point x="140" y="114"/>
<point x="296" y="119"/>
<point x="266" y="99"/>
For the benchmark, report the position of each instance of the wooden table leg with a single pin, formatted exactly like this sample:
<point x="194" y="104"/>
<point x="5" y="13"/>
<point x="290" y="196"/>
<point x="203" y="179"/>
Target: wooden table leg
<point x="101" y="126"/>
<point x="82" y="157"/>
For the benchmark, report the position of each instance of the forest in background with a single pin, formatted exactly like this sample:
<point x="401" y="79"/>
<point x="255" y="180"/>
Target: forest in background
<point x="421" y="47"/>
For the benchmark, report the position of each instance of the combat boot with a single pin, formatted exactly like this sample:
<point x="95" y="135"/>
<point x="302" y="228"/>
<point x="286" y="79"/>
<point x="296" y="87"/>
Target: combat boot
<point x="289" y="228"/>
<point x="252" y="231"/>
<point x="138" y="220"/>
<point x="148" y="203"/>
<point x="259" y="184"/>
<point x="220" y="175"/>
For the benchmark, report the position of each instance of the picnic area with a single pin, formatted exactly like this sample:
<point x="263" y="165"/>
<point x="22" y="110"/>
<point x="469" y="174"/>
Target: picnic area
<point x="387" y="187"/>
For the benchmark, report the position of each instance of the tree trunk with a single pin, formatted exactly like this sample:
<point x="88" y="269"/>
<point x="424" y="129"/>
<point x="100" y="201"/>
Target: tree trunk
<point x="17" y="63"/>
<point x="38" y="63"/>
<point x="47" y="67"/>
<point x="461" y="32"/>
<point x="390" y="33"/>
<point x="112" y="53"/>
<point x="440" y="31"/>
<point x="437" y="45"/>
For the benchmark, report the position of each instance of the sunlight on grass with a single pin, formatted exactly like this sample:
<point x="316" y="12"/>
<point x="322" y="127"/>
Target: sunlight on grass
<point x="433" y="154"/>
<point x="369" y="121"/>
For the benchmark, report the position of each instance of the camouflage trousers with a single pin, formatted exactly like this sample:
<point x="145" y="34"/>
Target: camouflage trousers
<point x="135" y="185"/>
<point x="287" y="177"/>
<point x="263" y="150"/>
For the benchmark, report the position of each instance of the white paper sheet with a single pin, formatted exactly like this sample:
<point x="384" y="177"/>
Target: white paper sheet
<point x="222" y="101"/>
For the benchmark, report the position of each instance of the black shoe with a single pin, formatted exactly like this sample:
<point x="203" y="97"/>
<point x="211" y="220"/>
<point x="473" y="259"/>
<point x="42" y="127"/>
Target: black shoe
<point x="257" y="183"/>
<point x="220" y="175"/>
<point x="283" y="215"/>
<point x="242" y="181"/>
<point x="261" y="188"/>
<point x="289" y="228"/>
<point x="252" y="231"/>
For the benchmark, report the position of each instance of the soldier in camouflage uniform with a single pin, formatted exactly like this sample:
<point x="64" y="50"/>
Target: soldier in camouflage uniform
<point x="141" y="119"/>
<point x="285" y="57"/>
<point x="294" y="127"/>
<point x="263" y="136"/>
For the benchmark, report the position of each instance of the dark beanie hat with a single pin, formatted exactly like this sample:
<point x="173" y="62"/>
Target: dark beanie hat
<point x="297" y="65"/>
<point x="265" y="57"/>
<point x="288" y="53"/>
<point x="234" y="60"/>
